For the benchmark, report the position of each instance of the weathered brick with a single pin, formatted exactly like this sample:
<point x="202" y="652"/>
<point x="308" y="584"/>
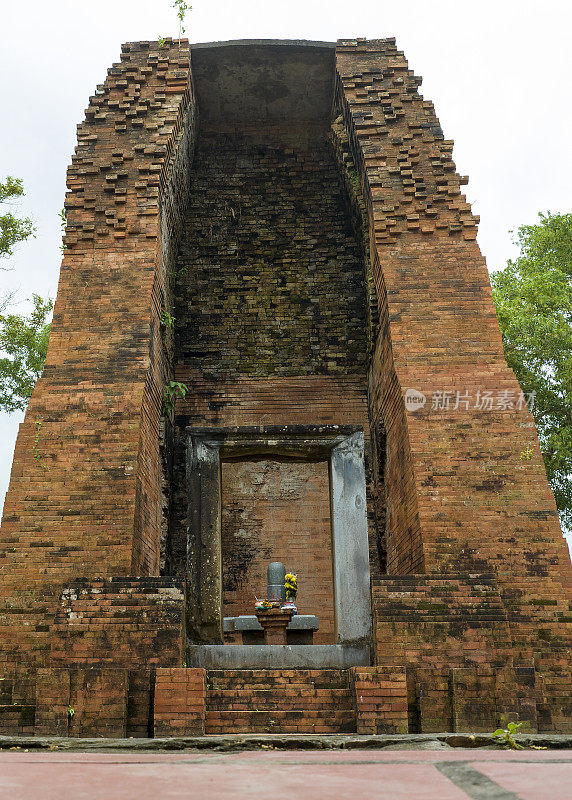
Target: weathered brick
<point x="294" y="273"/>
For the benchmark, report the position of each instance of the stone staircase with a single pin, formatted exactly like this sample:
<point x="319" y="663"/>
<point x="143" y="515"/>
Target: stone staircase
<point x="279" y="701"/>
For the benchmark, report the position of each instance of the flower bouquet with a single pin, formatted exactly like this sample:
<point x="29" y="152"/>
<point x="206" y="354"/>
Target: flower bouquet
<point x="291" y="586"/>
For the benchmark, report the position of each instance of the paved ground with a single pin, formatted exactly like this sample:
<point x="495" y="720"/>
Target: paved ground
<point x="443" y="774"/>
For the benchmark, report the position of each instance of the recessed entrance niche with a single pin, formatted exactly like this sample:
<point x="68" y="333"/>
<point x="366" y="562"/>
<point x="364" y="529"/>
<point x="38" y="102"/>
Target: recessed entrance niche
<point x="277" y="510"/>
<point x="270" y="458"/>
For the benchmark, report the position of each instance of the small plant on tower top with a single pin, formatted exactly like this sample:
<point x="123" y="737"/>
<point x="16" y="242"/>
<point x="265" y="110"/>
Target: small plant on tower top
<point x="181" y="7"/>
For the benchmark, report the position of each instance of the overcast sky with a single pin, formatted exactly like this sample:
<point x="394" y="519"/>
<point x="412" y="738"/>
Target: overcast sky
<point x="498" y="74"/>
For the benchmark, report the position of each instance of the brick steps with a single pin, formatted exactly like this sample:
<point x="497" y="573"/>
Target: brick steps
<point x="284" y="701"/>
<point x="297" y="721"/>
<point x="265" y="678"/>
<point x="246" y="699"/>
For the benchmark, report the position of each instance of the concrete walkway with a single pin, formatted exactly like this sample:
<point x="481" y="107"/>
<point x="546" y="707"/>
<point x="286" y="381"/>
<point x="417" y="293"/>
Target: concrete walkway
<point x="390" y="774"/>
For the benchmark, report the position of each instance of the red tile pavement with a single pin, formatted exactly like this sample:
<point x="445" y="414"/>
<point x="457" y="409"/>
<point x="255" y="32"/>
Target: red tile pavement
<point x="218" y="781"/>
<point x="539" y="782"/>
<point x="480" y="755"/>
<point x="258" y="775"/>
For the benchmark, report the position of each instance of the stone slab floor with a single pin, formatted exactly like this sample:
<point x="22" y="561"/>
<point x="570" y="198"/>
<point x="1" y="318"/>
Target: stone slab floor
<point x="442" y="774"/>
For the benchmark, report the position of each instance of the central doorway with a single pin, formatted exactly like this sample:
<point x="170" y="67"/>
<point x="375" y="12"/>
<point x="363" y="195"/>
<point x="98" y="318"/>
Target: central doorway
<point x="341" y="448"/>
<point x="277" y="510"/>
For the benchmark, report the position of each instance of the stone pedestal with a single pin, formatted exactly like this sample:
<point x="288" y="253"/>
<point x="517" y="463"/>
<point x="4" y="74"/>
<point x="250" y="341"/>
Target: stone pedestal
<point x="300" y="629"/>
<point x="274" y="622"/>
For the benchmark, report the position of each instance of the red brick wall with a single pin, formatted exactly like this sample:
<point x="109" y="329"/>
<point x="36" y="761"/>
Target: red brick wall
<point x="94" y="701"/>
<point x="278" y="511"/>
<point x="475" y="698"/>
<point x="17" y="706"/>
<point x="303" y="400"/>
<point x="53" y="702"/>
<point x="279" y="701"/>
<point x="128" y="622"/>
<point x="84" y="495"/>
<point x="82" y="703"/>
<point x="180" y="702"/>
<point x="98" y="698"/>
<point x="482" y="504"/>
<point x="270" y="279"/>
<point x="555" y="700"/>
<point x="380" y="699"/>
<point x="446" y="621"/>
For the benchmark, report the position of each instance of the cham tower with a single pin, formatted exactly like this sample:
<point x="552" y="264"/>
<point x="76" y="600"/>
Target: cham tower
<point x="274" y="341"/>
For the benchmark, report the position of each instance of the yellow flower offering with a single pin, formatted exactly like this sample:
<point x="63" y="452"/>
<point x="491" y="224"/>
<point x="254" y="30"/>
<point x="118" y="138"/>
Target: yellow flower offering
<point x="291" y="585"/>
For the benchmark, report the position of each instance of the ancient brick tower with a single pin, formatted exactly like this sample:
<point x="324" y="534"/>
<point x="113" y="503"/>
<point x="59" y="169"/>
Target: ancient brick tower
<point x="266" y="248"/>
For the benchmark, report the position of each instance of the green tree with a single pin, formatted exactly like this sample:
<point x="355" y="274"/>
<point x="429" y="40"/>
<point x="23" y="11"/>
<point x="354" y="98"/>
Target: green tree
<point x="24" y="341"/>
<point x="23" y="338"/>
<point x="12" y="229"/>
<point x="533" y="296"/>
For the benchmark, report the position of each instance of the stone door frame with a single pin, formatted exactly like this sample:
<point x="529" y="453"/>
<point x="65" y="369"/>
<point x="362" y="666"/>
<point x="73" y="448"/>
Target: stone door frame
<point x="343" y="448"/>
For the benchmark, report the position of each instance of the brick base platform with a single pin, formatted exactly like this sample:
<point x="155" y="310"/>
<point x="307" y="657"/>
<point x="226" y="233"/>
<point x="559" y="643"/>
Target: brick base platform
<point x="445" y="655"/>
<point x="180" y="701"/>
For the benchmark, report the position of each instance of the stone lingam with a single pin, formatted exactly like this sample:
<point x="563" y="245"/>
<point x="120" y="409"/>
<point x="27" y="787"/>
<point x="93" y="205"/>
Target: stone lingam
<point x="274" y="625"/>
<point x="275" y="580"/>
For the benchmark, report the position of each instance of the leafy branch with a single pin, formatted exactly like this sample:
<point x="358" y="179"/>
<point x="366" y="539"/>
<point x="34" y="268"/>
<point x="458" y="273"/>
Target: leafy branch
<point x="172" y="390"/>
<point x="23" y="348"/>
<point x="167" y="320"/>
<point x="12" y="229"/>
<point x="533" y="298"/>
